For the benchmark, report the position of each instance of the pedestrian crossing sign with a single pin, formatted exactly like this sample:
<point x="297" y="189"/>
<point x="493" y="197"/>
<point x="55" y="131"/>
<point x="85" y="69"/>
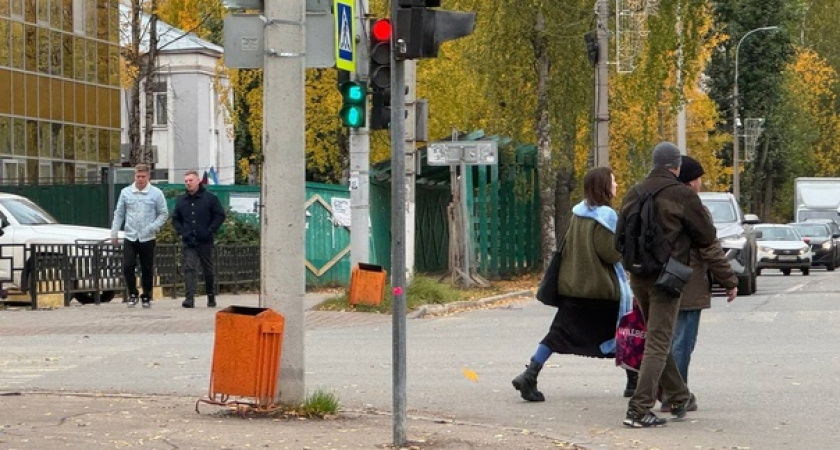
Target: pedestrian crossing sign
<point x="345" y="35"/>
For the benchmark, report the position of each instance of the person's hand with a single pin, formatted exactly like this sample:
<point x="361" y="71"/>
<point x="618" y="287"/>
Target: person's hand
<point x="115" y="240"/>
<point x="731" y="294"/>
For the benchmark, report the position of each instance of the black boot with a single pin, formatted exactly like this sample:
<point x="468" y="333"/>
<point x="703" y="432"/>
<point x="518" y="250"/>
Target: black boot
<point x="526" y="383"/>
<point x="211" y="301"/>
<point x="188" y="303"/>
<point x="632" y="379"/>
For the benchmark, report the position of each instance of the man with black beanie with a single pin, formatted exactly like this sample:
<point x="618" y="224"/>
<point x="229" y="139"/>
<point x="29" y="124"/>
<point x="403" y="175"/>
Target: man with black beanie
<point x="705" y="263"/>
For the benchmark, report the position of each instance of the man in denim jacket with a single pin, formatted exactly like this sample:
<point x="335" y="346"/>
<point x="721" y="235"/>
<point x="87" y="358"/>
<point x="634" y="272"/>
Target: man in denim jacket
<point x="141" y="211"/>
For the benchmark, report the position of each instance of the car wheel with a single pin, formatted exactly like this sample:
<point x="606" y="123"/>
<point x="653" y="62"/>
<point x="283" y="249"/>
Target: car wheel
<point x="786" y="272"/>
<point x="87" y="298"/>
<point x="829" y="267"/>
<point x="758" y="272"/>
<point x="806" y="271"/>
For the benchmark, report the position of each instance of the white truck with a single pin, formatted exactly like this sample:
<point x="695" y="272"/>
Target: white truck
<point x="816" y="198"/>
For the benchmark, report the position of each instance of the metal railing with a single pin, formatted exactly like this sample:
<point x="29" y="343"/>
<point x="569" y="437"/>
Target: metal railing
<point x="91" y="271"/>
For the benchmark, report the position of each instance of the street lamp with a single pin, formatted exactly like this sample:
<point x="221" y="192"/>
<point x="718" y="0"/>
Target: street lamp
<point x="736" y="177"/>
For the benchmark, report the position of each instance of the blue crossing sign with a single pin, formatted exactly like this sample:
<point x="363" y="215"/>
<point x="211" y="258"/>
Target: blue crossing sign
<point x="345" y="35"/>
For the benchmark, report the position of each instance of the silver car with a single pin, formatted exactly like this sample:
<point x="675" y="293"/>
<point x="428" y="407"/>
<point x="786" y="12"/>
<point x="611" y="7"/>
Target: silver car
<point x="736" y="236"/>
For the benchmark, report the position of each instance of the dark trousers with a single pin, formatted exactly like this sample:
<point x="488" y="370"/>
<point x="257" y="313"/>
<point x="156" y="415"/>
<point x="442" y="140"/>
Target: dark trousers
<point x="658" y="367"/>
<point x="202" y="254"/>
<point x="146" y="252"/>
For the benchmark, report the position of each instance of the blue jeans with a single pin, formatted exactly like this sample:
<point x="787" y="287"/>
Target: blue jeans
<point x="685" y="336"/>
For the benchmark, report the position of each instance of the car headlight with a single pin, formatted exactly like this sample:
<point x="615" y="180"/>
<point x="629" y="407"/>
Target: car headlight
<point x="734" y="240"/>
<point x="766" y="249"/>
<point x="804" y="251"/>
<point x="826" y="245"/>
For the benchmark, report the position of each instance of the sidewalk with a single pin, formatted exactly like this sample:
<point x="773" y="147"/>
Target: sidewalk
<point x="82" y="420"/>
<point x="46" y="421"/>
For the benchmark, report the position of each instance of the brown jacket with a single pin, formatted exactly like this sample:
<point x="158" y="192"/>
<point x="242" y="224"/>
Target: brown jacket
<point x="679" y="213"/>
<point x="587" y="269"/>
<point x="705" y="262"/>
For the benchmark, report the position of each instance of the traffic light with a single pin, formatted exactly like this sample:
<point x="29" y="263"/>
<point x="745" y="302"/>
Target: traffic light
<point x="421" y="30"/>
<point x="353" y="96"/>
<point x="380" y="73"/>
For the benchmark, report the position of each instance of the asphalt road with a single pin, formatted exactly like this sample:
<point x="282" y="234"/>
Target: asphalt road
<point x="765" y="371"/>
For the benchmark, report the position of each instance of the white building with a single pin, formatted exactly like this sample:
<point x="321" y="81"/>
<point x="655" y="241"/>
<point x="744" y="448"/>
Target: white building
<point x="190" y="131"/>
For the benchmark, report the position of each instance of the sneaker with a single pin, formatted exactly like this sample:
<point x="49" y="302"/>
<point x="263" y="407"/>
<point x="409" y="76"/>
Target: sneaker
<point x="146" y="301"/>
<point x="188" y="303"/>
<point x="634" y="420"/>
<point x="679" y="410"/>
<point x="211" y="301"/>
<point x="132" y="300"/>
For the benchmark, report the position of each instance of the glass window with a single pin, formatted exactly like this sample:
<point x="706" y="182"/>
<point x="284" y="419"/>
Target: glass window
<point x="161" y="116"/>
<point x="104" y="146"/>
<point x="18" y="137"/>
<point x="102" y="63"/>
<point x="26" y="212"/>
<point x="57" y="172"/>
<point x="44" y="172"/>
<point x="57" y="148"/>
<point x="69" y="142"/>
<point x="43" y="50"/>
<point x="90" y="47"/>
<point x="90" y="18"/>
<point x="102" y="19"/>
<point x="13" y="172"/>
<point x="66" y="15"/>
<point x="17" y="8"/>
<point x="29" y="11"/>
<point x="32" y="138"/>
<point x="32" y="171"/>
<point x="79" y="59"/>
<point x="31" y="50"/>
<point x="55" y="14"/>
<point x="42" y="8"/>
<point x="17" y="45"/>
<point x="5" y="135"/>
<point x="116" y="157"/>
<point x="67" y="55"/>
<point x="44" y="139"/>
<point x="56" y="51"/>
<point x="5" y="42"/>
<point x="81" y="144"/>
<point x="5" y="91"/>
<point x="4" y="8"/>
<point x="114" y="64"/>
<point x="93" y="145"/>
<point x="114" y="25"/>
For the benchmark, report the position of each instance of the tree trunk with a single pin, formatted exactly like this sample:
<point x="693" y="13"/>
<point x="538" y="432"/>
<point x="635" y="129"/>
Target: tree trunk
<point x="133" y="59"/>
<point x="147" y="156"/>
<point x="542" y="130"/>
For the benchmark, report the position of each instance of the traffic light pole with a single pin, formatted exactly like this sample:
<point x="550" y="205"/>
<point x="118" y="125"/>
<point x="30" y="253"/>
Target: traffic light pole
<point x="398" y="243"/>
<point x="360" y="159"/>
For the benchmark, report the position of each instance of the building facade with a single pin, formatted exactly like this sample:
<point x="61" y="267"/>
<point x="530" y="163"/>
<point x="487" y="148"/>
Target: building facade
<point x="59" y="90"/>
<point x="189" y="130"/>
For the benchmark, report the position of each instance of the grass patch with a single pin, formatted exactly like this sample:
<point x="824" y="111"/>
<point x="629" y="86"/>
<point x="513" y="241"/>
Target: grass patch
<point x="430" y="290"/>
<point x="320" y="404"/>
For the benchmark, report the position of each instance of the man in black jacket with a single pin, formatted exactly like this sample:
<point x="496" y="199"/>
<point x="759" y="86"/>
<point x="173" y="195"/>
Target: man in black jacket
<point x="197" y="217"/>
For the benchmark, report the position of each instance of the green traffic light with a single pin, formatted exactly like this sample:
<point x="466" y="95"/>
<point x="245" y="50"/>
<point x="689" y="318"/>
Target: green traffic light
<point x="353" y="96"/>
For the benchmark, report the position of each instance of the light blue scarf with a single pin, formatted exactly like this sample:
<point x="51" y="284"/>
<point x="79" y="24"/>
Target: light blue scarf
<point x="607" y="217"/>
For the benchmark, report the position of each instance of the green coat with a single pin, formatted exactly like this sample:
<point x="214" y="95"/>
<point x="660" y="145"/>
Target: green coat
<point x="587" y="269"/>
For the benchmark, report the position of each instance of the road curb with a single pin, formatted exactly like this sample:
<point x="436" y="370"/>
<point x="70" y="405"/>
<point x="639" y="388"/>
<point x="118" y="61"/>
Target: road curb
<point x="434" y="310"/>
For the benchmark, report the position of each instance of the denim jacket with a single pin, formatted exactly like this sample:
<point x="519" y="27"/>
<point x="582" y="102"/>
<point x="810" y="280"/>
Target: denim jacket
<point x="142" y="212"/>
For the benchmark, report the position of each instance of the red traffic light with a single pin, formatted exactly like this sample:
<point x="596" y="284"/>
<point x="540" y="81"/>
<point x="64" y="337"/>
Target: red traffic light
<point x="381" y="30"/>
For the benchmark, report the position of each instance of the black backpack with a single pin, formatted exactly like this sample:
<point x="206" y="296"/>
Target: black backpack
<point x="642" y="242"/>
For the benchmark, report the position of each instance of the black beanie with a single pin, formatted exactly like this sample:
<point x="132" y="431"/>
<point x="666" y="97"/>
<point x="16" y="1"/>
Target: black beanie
<point x="690" y="169"/>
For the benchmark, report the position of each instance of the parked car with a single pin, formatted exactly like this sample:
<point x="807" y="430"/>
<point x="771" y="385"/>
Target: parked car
<point x="822" y="241"/>
<point x="736" y="236"/>
<point x="24" y="222"/>
<point x="782" y="247"/>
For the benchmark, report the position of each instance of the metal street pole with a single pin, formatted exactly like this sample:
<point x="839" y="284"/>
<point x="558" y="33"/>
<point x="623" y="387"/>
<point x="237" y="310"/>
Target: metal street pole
<point x="736" y="176"/>
<point x="602" y="95"/>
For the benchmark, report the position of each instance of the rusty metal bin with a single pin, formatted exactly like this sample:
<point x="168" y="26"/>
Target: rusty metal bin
<point x="367" y="284"/>
<point x="246" y="354"/>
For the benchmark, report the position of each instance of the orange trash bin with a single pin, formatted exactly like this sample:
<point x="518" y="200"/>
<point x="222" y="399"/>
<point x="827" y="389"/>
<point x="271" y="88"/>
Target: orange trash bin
<point x="367" y="284"/>
<point x="246" y="355"/>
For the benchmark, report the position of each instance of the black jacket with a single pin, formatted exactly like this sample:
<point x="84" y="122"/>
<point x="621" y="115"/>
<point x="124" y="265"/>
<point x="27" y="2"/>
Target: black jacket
<point x="197" y="217"/>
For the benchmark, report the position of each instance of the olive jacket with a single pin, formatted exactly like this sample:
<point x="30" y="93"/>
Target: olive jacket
<point x="587" y="270"/>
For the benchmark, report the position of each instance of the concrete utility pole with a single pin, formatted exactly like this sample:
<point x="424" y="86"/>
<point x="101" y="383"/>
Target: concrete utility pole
<point x="410" y="70"/>
<point x="282" y="284"/>
<point x="602" y="94"/>
<point x="681" y="132"/>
